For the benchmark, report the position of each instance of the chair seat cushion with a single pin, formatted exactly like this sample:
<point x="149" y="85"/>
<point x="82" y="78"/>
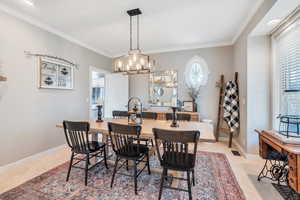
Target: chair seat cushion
<point x="178" y="161"/>
<point x="96" y="146"/>
<point x="132" y="150"/>
<point x="93" y="145"/>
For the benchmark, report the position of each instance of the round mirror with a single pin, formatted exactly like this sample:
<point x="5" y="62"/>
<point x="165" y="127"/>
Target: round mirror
<point x="160" y="92"/>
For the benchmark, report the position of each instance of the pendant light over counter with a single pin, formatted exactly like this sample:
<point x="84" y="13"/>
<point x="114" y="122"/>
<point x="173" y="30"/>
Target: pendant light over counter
<point x="135" y="62"/>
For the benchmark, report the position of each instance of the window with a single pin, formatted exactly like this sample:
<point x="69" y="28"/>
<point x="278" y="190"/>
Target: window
<point x="288" y="59"/>
<point x="196" y="73"/>
<point x="97" y="94"/>
<point x="97" y="87"/>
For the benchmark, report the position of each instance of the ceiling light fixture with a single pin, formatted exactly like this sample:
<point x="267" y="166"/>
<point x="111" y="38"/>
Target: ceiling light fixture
<point x="29" y="2"/>
<point x="135" y="62"/>
<point x="274" y="22"/>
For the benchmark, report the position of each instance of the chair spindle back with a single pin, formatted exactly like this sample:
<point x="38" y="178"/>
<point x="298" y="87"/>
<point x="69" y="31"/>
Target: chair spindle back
<point x="122" y="137"/>
<point x="149" y="115"/>
<point x="120" y="114"/>
<point x="177" y="146"/>
<point x="77" y="135"/>
<point x="180" y="117"/>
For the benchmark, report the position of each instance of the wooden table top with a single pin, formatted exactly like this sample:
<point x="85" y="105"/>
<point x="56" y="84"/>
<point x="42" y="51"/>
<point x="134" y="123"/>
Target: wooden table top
<point x="206" y="130"/>
<point x="292" y="148"/>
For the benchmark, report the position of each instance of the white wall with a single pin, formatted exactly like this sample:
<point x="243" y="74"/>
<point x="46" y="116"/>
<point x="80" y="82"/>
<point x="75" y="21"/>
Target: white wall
<point x="240" y="65"/>
<point x="258" y="89"/>
<point x="219" y="61"/>
<point x="28" y="115"/>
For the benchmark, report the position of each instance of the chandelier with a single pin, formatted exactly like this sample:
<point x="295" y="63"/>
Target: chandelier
<point x="135" y="62"/>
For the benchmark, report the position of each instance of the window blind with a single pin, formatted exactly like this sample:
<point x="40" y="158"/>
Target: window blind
<point x="288" y="54"/>
<point x="289" y="59"/>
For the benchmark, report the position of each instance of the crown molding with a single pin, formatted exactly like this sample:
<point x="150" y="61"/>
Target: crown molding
<point x="184" y="48"/>
<point x="50" y="29"/>
<point x="67" y="37"/>
<point x="247" y="21"/>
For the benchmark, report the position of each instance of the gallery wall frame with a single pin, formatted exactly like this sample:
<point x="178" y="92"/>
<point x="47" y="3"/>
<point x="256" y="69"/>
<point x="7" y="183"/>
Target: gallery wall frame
<point x="55" y="74"/>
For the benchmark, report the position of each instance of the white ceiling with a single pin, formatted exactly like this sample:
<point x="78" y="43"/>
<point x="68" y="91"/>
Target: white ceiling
<point x="166" y="25"/>
<point x="279" y="11"/>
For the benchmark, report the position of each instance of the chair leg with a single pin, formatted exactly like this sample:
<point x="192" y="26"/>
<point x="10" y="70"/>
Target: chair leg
<point x="114" y="173"/>
<point x="135" y="177"/>
<point x="152" y="143"/>
<point x="193" y="177"/>
<point x="127" y="165"/>
<point x="104" y="155"/>
<point x="166" y="175"/>
<point x="87" y="162"/>
<point x="148" y="163"/>
<point x="189" y="185"/>
<point x="162" y="182"/>
<point x="70" y="166"/>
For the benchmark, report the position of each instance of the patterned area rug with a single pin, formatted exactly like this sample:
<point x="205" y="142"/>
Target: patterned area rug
<point x="214" y="181"/>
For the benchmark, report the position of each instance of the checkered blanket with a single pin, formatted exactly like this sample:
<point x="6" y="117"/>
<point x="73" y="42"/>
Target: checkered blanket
<point x="231" y="106"/>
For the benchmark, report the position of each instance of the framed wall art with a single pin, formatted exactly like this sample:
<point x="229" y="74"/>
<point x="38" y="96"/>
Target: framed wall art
<point x="54" y="74"/>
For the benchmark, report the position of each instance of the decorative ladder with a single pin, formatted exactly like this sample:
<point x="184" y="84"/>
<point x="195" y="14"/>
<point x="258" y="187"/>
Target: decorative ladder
<point x="221" y="128"/>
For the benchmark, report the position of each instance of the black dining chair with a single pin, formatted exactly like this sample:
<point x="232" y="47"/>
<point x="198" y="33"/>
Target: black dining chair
<point x="180" y="116"/>
<point x="120" y="114"/>
<point x="177" y="155"/>
<point x="77" y="136"/>
<point x="126" y="145"/>
<point x="149" y="115"/>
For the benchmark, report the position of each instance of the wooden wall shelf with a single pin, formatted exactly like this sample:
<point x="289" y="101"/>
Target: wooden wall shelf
<point x="3" y="78"/>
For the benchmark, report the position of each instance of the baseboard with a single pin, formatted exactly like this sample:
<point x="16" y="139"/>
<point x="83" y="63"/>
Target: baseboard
<point x="239" y="148"/>
<point x="33" y="157"/>
<point x="243" y="153"/>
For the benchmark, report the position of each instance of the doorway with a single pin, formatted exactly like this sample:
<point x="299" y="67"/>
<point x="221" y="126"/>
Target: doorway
<point x="109" y="89"/>
<point x="97" y="91"/>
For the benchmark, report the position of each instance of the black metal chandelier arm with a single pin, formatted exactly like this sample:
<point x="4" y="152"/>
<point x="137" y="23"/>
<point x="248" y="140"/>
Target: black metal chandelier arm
<point x="130" y="33"/>
<point x="138" y="32"/>
<point x="28" y="53"/>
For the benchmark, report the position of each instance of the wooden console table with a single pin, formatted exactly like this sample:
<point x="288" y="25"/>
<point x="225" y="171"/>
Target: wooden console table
<point x="266" y="140"/>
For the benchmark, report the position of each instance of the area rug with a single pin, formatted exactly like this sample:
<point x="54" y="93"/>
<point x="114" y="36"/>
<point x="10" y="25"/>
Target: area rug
<point x="214" y="181"/>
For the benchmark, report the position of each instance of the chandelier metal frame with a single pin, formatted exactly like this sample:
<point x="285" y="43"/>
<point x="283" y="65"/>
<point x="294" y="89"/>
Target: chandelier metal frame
<point x="135" y="62"/>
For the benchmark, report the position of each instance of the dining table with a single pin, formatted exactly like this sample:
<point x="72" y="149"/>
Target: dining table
<point x="206" y="129"/>
<point x="101" y="128"/>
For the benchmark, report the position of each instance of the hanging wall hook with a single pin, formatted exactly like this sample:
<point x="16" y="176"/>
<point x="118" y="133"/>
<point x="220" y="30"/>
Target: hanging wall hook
<point x="29" y="54"/>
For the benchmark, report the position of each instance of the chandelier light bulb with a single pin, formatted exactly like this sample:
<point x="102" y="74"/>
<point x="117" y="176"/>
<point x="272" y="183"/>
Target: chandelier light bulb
<point x="142" y="61"/>
<point x="134" y="57"/>
<point x="120" y="64"/>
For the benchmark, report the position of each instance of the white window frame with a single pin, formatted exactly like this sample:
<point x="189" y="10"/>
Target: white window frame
<point x="188" y="68"/>
<point x="276" y="85"/>
<point x="275" y="70"/>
